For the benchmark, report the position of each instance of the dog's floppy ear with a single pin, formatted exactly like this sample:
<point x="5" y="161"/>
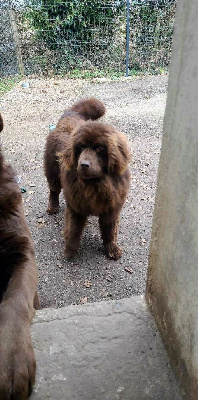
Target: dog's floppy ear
<point x="118" y="153"/>
<point x="66" y="157"/>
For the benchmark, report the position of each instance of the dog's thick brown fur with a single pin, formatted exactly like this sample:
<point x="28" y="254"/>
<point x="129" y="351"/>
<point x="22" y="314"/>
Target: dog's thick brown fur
<point x="18" y="290"/>
<point x="89" y="160"/>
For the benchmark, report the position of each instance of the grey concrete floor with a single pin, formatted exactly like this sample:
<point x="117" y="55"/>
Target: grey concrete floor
<point x="106" y="350"/>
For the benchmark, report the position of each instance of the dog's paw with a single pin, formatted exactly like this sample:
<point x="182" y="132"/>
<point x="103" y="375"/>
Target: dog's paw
<point x="17" y="363"/>
<point x="70" y="253"/>
<point x="36" y="302"/>
<point x="113" y="251"/>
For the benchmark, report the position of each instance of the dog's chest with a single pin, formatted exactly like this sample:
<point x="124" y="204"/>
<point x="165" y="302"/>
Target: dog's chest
<point x="87" y="198"/>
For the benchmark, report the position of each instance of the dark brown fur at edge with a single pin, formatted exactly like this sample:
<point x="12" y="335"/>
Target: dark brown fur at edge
<point x="18" y="291"/>
<point x="89" y="160"/>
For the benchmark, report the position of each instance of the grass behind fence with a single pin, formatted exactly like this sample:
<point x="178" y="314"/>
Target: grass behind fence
<point x="8" y="83"/>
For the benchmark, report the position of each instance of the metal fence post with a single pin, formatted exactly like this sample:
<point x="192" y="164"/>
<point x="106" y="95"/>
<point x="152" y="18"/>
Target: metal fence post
<point x="127" y="37"/>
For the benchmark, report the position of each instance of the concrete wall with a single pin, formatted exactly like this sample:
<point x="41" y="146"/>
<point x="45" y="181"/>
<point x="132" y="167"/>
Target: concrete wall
<point x="172" y="287"/>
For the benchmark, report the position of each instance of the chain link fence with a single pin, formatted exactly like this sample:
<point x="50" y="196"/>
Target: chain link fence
<point x="47" y="37"/>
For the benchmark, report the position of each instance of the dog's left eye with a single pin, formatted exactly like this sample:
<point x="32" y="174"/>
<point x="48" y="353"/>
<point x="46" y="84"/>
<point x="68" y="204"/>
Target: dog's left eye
<point x="99" y="149"/>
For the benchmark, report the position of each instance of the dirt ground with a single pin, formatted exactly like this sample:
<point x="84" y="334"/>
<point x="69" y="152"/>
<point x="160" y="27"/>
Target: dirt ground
<point x="136" y="106"/>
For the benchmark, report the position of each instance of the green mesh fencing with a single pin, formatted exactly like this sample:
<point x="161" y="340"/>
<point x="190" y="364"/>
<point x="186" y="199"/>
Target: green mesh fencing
<point x="47" y="37"/>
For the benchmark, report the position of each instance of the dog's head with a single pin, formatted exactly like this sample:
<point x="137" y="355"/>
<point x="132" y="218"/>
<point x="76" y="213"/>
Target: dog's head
<point x="95" y="149"/>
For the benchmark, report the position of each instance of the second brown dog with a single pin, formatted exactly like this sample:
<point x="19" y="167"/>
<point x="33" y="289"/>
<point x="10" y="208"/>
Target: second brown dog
<point x="18" y="290"/>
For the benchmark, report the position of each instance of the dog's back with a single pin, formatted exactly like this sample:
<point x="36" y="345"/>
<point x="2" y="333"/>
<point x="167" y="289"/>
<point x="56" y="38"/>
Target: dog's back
<point x="15" y="239"/>
<point x="83" y="110"/>
<point x="8" y="184"/>
<point x="1" y="123"/>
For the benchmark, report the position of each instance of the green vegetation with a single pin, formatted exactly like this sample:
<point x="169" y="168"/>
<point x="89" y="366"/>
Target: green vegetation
<point x="151" y="32"/>
<point x="91" y="74"/>
<point x="8" y="83"/>
<point x="56" y="21"/>
<point x="75" y="34"/>
<point x="110" y="74"/>
<point x="87" y="38"/>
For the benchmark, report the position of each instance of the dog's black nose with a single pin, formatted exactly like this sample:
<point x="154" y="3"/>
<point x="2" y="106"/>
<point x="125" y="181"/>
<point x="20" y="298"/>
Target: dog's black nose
<point x="85" y="164"/>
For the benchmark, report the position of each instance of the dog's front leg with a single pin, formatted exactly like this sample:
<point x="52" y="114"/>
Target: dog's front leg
<point x="17" y="360"/>
<point x="74" y="224"/>
<point x="53" y="205"/>
<point x="109" y="227"/>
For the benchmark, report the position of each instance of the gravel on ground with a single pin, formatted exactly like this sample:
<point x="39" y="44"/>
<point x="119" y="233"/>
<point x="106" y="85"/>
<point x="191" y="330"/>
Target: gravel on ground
<point x="136" y="107"/>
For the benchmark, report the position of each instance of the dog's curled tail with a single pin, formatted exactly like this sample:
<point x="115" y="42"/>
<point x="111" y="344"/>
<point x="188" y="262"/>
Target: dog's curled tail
<point x="89" y="108"/>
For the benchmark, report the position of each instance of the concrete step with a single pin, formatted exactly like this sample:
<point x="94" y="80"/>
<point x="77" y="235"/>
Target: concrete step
<point x="106" y="350"/>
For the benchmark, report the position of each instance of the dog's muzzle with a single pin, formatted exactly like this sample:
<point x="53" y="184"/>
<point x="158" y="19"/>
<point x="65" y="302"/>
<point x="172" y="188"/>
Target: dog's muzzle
<point x="88" y="165"/>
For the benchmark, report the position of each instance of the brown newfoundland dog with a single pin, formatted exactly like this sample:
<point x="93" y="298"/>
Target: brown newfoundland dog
<point x="89" y="160"/>
<point x="18" y="290"/>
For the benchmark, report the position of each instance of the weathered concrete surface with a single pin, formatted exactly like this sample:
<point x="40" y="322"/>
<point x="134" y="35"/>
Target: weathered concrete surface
<point x="106" y="350"/>
<point x="172" y="289"/>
